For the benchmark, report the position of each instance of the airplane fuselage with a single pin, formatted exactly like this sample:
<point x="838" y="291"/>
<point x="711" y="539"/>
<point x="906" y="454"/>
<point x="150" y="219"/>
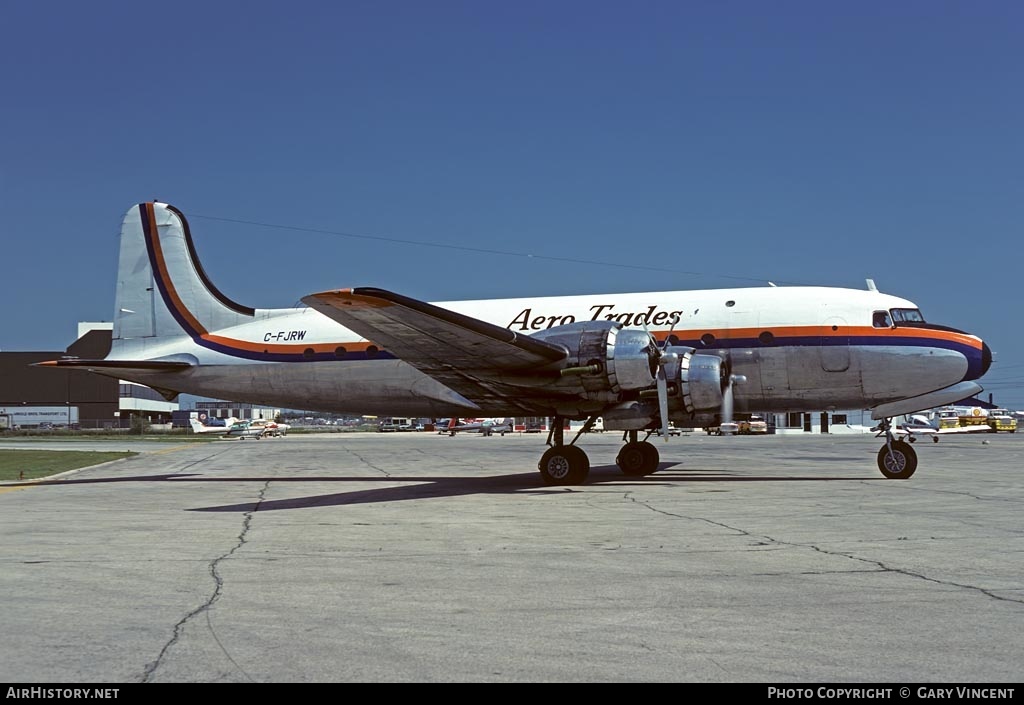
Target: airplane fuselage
<point x="799" y="348"/>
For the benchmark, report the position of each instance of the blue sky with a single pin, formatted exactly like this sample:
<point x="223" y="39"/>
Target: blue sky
<point x="717" y="144"/>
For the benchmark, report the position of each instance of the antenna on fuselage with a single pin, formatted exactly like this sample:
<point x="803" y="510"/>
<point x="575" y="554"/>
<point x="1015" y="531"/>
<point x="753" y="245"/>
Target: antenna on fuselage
<point x="871" y="285"/>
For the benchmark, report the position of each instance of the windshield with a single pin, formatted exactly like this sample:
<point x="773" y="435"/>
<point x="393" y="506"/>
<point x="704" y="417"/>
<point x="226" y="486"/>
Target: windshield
<point x="907" y="315"/>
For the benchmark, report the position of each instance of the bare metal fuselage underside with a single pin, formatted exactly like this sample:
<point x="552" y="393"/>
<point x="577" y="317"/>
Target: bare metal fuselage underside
<point x="797" y="378"/>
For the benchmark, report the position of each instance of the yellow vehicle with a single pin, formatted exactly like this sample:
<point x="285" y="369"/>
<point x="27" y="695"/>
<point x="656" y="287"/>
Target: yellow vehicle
<point x="973" y="416"/>
<point x="1002" y="420"/>
<point x="949" y="418"/>
<point x="755" y="424"/>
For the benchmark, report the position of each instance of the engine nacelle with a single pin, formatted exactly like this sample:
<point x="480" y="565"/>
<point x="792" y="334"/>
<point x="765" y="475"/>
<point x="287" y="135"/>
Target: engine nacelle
<point x="605" y="359"/>
<point x="608" y="364"/>
<point x="696" y="386"/>
<point x="701" y="379"/>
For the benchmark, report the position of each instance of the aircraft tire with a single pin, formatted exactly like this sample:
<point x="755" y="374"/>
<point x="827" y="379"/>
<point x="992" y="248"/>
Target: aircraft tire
<point x="564" y="465"/>
<point x="900" y="463"/>
<point x="651" y="457"/>
<point x="636" y="459"/>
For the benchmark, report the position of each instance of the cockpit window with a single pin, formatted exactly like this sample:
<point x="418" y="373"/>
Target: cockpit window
<point x="907" y="315"/>
<point x="880" y="319"/>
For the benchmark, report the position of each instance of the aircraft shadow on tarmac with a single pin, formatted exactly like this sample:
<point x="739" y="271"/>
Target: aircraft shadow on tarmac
<point x="430" y="487"/>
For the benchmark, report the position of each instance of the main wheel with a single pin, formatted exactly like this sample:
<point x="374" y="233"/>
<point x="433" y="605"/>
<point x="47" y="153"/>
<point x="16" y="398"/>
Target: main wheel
<point x="638" y="458"/>
<point x="899" y="463"/>
<point x="564" y="465"/>
<point x="651" y="457"/>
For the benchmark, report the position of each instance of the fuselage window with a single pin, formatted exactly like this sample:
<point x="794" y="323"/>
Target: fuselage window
<point x="880" y="319"/>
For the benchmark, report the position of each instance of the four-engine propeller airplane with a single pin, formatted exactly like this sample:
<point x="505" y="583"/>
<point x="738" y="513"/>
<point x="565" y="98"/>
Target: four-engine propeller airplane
<point x="637" y="360"/>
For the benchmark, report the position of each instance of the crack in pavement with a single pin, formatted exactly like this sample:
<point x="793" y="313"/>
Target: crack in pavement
<point x="882" y="567"/>
<point x="218" y="590"/>
<point x="367" y="463"/>
<point x="911" y="488"/>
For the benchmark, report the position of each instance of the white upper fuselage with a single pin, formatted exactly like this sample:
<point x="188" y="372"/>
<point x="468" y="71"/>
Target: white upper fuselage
<point x="688" y="315"/>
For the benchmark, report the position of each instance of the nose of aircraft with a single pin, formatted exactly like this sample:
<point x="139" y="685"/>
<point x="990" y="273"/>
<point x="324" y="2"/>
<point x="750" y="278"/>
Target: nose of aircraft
<point x="977" y="367"/>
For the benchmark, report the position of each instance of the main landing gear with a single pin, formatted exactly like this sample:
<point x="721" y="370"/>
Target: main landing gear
<point x="564" y="464"/>
<point x="568" y="465"/>
<point x="896" y="459"/>
<point x="637" y="457"/>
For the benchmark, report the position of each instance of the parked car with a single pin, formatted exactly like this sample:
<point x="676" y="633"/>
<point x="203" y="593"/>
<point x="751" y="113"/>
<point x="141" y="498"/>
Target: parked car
<point x="243" y="430"/>
<point x="756" y="424"/>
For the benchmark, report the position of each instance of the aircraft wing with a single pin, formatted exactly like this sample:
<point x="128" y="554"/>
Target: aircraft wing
<point x="464" y="353"/>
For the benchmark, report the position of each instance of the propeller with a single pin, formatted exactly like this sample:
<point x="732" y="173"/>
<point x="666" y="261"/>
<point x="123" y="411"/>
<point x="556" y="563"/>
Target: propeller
<point x="662" y="359"/>
<point x="728" y="380"/>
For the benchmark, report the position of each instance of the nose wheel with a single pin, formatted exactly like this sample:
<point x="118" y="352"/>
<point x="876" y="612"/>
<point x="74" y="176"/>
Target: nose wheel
<point x="897" y="460"/>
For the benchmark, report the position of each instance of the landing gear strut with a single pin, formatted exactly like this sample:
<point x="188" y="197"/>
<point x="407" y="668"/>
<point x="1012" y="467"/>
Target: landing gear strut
<point x="637" y="457"/>
<point x="564" y="464"/>
<point x="896" y="459"/>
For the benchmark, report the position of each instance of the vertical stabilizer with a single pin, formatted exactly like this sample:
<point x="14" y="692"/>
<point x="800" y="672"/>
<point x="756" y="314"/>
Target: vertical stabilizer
<point x="162" y="289"/>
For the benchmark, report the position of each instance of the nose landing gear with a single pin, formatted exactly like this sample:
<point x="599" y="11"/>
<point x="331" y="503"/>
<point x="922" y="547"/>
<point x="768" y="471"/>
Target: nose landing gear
<point x="896" y="459"/>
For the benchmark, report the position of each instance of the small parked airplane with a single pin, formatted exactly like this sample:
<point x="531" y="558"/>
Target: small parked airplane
<point x="484" y="426"/>
<point x="636" y="360"/>
<point x="211" y="424"/>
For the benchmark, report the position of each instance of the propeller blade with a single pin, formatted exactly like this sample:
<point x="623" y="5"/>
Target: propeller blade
<point x="727" y="403"/>
<point x="663" y="401"/>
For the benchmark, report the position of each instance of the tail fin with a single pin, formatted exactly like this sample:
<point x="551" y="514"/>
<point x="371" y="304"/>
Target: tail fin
<point x="162" y="289"/>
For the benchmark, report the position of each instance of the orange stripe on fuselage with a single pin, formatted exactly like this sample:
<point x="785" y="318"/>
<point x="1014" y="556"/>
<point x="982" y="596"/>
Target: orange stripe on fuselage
<point x="823" y="332"/>
<point x="286" y="349"/>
